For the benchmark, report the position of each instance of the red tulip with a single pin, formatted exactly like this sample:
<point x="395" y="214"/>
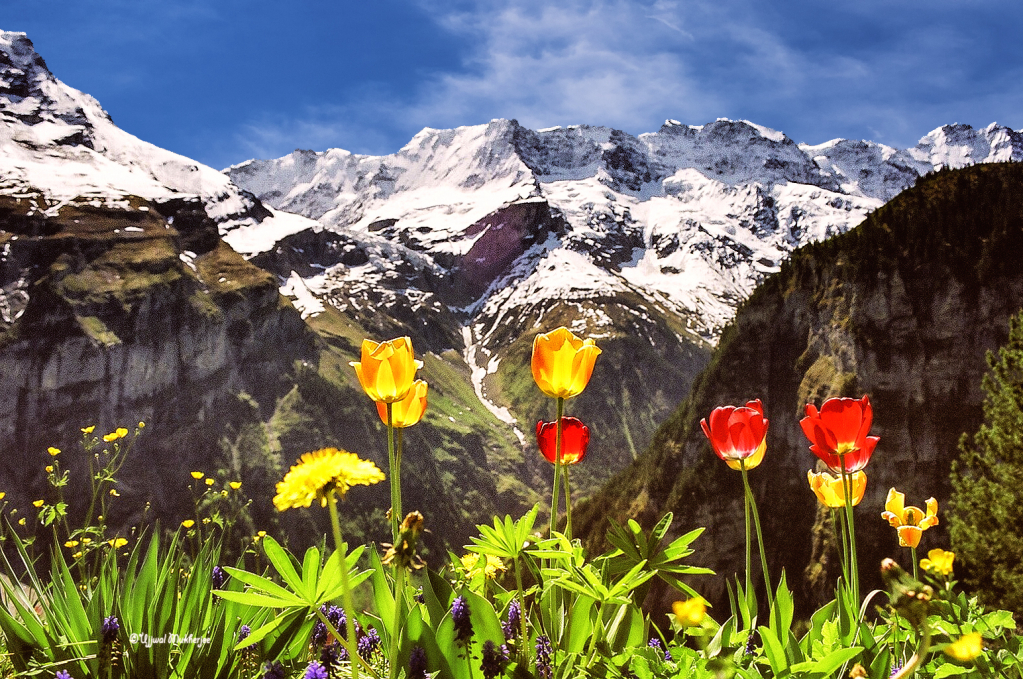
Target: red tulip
<point x="838" y="432"/>
<point x="575" y="436"/>
<point x="738" y="435"/>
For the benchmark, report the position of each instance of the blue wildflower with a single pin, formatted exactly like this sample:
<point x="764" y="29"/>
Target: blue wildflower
<point x="315" y="671"/>
<point x="63" y="674"/>
<point x="417" y="663"/>
<point x="243" y="632"/>
<point x="273" y="671"/>
<point x="493" y="660"/>
<point x="511" y="626"/>
<point x="544" y="651"/>
<point x="461" y="618"/>
<point x="109" y="629"/>
<point x="218" y="577"/>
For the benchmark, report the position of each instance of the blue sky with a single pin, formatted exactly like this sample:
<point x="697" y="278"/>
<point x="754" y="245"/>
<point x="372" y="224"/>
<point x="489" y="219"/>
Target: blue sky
<point x="222" y="81"/>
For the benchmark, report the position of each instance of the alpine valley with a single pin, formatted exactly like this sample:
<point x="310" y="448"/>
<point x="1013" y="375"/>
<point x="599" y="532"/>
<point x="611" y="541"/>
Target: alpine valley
<point x="223" y="308"/>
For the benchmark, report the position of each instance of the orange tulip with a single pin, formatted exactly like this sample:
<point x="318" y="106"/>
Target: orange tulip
<point x="409" y="410"/>
<point x="387" y="369"/>
<point x="910" y="522"/>
<point x="562" y="363"/>
<point x="830" y="491"/>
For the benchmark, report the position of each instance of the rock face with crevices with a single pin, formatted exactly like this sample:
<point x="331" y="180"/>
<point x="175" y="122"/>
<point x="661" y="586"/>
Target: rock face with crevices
<point x="903" y="309"/>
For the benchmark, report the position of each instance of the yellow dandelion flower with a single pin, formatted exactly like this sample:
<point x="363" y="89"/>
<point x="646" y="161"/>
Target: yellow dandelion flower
<point x="197" y="475"/>
<point x="321" y="472"/>
<point x="235" y="485"/>
<point x="38" y="503"/>
<point x="49" y="469"/>
<point x="71" y="544"/>
<point x="187" y="523"/>
<point x="54" y="452"/>
<point x="117" y="543"/>
<point x="209" y="482"/>
<point x="113" y="492"/>
<point x="474" y="564"/>
<point x="966" y="648"/>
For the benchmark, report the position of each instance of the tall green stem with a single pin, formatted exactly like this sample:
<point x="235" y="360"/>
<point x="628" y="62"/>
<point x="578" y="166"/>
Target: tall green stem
<point x="392" y="468"/>
<point x="845" y="545"/>
<point x="557" y="469"/>
<point x="568" y="505"/>
<point x="760" y="535"/>
<point x="854" y="574"/>
<point x="749" y="542"/>
<point x="346" y="589"/>
<point x="399" y="609"/>
<point x="916" y="568"/>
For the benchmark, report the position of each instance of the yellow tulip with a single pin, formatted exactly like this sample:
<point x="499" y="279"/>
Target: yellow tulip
<point x="387" y="369"/>
<point x="910" y="522"/>
<point x="409" y="410"/>
<point x="562" y="363"/>
<point x="829" y="489"/>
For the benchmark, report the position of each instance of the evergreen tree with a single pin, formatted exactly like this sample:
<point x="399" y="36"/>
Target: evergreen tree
<point x="986" y="516"/>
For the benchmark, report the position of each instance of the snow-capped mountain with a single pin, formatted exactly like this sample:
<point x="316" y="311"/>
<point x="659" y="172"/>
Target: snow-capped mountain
<point x="501" y="225"/>
<point x="59" y="143"/>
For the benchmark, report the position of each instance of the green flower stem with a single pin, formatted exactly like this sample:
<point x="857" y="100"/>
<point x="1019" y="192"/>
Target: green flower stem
<point x="749" y="542"/>
<point x="760" y="535"/>
<point x="916" y="567"/>
<point x="845" y="547"/>
<point x="522" y="609"/>
<point x="346" y="589"/>
<point x="921" y="651"/>
<point x="568" y="505"/>
<point x="557" y="469"/>
<point x="392" y="468"/>
<point x="854" y="568"/>
<point x="399" y="609"/>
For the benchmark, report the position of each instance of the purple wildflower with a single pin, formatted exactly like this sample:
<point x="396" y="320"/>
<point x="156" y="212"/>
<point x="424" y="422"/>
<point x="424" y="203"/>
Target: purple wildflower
<point x="656" y="643"/>
<point x="896" y="668"/>
<point x="218" y="577"/>
<point x="315" y="671"/>
<point x="63" y="674"/>
<point x="273" y="671"/>
<point x="109" y="629"/>
<point x="243" y="632"/>
<point x="460" y="616"/>
<point x="417" y="663"/>
<point x="368" y="643"/>
<point x="511" y="626"/>
<point x="420" y="599"/>
<point x="493" y="660"/>
<point x="544" y="651"/>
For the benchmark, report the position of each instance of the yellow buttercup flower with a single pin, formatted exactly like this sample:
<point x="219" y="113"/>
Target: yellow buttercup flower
<point x="54" y="452"/>
<point x="235" y="485"/>
<point x="187" y="523"/>
<point x="118" y="433"/>
<point x="117" y="543"/>
<point x="210" y="482"/>
<point x="911" y="522"/>
<point x="409" y="410"/>
<point x="49" y="469"/>
<point x="690" y="613"/>
<point x="387" y="369"/>
<point x="89" y="429"/>
<point x="114" y="493"/>
<point x="21" y="521"/>
<point x="76" y="555"/>
<point x="71" y="544"/>
<point x="489" y="565"/>
<point x="938" y="562"/>
<point x="321" y="472"/>
<point x="38" y="503"/>
<point x="562" y="363"/>
<point x="830" y="491"/>
<point x="966" y="648"/>
<point x="86" y="541"/>
<point x="197" y="475"/>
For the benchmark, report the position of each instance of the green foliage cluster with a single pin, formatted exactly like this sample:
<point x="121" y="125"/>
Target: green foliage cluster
<point x="987" y="500"/>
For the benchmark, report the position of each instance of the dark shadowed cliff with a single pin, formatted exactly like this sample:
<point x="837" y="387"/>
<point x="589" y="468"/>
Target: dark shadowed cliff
<point x="902" y="308"/>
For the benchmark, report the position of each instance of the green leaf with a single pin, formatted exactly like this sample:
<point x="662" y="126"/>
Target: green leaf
<point x="282" y="563"/>
<point x="775" y="652"/>
<point x="828" y="663"/>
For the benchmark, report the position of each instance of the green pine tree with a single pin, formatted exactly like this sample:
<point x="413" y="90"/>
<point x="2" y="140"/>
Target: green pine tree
<point x="986" y="514"/>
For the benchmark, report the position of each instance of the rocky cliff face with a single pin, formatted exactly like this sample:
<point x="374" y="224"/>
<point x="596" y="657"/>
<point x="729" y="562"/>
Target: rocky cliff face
<point x="903" y="308"/>
<point x="116" y="315"/>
